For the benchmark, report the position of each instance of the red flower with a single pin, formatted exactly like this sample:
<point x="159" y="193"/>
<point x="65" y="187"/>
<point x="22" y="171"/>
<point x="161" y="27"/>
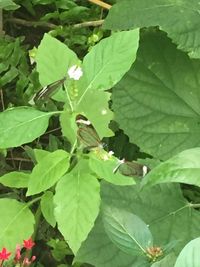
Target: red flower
<point x="4" y="254"/>
<point x="28" y="244"/>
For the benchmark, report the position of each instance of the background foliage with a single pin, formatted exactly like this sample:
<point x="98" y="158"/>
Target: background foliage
<point x="104" y="171"/>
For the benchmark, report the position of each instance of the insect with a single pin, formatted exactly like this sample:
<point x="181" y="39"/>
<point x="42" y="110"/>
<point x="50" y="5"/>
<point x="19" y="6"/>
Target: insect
<point x="48" y="90"/>
<point x="131" y="168"/>
<point x="87" y="133"/>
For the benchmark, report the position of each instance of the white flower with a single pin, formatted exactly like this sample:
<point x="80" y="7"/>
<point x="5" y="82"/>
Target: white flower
<point x="75" y="72"/>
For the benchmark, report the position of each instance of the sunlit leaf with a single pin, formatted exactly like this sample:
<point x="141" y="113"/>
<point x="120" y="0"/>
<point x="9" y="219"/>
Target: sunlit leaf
<point x="22" y="125"/>
<point x="17" y="223"/>
<point x="48" y="171"/>
<point x="77" y="202"/>
<point x="15" y="179"/>
<point x="182" y="168"/>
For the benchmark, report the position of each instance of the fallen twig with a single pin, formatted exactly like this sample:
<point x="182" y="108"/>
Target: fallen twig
<point x="101" y="4"/>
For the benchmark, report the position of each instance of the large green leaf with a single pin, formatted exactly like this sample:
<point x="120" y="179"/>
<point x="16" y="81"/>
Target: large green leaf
<point x="8" y="5"/>
<point x="103" y="67"/>
<point x="189" y="256"/>
<point x="109" y="60"/>
<point x="53" y="59"/>
<point x="22" y="125"/>
<point x="48" y="171"/>
<point x="157" y="102"/>
<point x="100" y="251"/>
<point x="127" y="231"/>
<point x="162" y="207"/>
<point x="179" y="18"/>
<point x="77" y="202"/>
<point x="17" y="223"/>
<point x="182" y="168"/>
<point x="15" y="179"/>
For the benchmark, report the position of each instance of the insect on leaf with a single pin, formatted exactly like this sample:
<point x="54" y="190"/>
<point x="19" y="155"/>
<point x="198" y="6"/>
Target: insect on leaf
<point x="86" y="132"/>
<point x="48" y="90"/>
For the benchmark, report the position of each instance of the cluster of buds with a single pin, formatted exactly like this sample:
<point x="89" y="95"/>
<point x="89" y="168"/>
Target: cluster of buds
<point x="20" y="260"/>
<point x="154" y="252"/>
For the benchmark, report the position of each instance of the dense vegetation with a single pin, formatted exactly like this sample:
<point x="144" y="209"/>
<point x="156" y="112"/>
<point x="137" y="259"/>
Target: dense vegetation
<point x="99" y="133"/>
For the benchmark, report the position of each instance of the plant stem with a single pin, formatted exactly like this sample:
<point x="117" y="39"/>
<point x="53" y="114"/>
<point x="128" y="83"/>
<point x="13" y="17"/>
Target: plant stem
<point x="194" y="205"/>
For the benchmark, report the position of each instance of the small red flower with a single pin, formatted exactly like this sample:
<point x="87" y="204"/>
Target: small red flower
<point x="4" y="254"/>
<point x="28" y="244"/>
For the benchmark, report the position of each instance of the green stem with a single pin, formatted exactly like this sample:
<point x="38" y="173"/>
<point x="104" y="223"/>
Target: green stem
<point x="73" y="148"/>
<point x="194" y="205"/>
<point x="33" y="201"/>
<point x="68" y="97"/>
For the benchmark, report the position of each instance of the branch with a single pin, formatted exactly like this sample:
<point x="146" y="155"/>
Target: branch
<point x="100" y="3"/>
<point x="32" y="23"/>
<point x="44" y="24"/>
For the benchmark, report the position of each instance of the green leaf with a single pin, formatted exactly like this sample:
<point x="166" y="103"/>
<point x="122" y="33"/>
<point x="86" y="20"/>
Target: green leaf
<point x="60" y="249"/>
<point x="77" y="205"/>
<point x="40" y="154"/>
<point x="110" y="60"/>
<point x="95" y="106"/>
<point x="189" y="256"/>
<point x="47" y="208"/>
<point x="104" y="253"/>
<point x="178" y="18"/>
<point x="48" y="171"/>
<point x="68" y="126"/>
<point x="167" y="261"/>
<point x="22" y="125"/>
<point x="15" y="179"/>
<point x="16" y="223"/>
<point x="127" y="231"/>
<point x="182" y="168"/>
<point x="162" y="207"/>
<point x="104" y="170"/>
<point x="8" y="5"/>
<point x="53" y="59"/>
<point x="9" y="76"/>
<point x="157" y="102"/>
